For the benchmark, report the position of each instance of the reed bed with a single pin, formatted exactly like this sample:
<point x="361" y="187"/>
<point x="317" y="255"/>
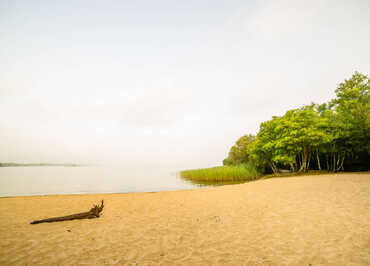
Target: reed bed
<point x="222" y="174"/>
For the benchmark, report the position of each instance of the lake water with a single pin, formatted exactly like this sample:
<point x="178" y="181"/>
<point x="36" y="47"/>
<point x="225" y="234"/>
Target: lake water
<point x="17" y="181"/>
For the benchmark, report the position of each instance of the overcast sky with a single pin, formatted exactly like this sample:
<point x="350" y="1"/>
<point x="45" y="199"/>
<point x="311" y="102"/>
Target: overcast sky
<point x="168" y="83"/>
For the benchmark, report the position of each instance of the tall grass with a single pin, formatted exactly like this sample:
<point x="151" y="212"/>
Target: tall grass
<point x="222" y="174"/>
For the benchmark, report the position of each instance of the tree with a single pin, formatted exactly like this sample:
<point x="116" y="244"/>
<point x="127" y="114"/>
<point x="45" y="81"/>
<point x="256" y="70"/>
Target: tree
<point x="352" y="106"/>
<point x="337" y="133"/>
<point x="262" y="150"/>
<point x="301" y="133"/>
<point x="290" y="140"/>
<point x="238" y="153"/>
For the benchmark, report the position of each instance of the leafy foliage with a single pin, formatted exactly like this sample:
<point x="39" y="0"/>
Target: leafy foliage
<point x="238" y="153"/>
<point x="329" y="136"/>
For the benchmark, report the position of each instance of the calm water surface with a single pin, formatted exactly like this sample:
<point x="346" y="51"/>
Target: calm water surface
<point x="17" y="181"/>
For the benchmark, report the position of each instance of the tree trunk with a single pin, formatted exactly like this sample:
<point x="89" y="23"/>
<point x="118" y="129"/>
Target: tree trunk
<point x="93" y="213"/>
<point x="273" y="167"/>
<point x="305" y="155"/>
<point x="333" y="168"/>
<point x="299" y="160"/>
<point x="338" y="160"/>
<point x="341" y="164"/>
<point x="318" y="159"/>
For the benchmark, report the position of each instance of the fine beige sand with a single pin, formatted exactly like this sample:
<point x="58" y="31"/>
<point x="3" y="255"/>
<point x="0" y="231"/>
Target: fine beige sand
<point x="318" y="220"/>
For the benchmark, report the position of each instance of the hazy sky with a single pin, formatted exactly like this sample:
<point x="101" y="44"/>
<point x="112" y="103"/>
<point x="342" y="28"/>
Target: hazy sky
<point x="165" y="83"/>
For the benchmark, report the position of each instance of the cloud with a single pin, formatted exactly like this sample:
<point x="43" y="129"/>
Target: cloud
<point x="285" y="19"/>
<point x="294" y="52"/>
<point x="156" y="93"/>
<point x="155" y="108"/>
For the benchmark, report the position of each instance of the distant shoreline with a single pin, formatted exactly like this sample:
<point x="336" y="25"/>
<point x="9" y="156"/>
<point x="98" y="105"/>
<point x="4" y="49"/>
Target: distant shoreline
<point x="38" y="164"/>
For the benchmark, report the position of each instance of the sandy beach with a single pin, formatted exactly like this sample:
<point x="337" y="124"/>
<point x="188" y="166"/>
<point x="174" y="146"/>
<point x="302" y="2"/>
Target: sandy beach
<point x="318" y="220"/>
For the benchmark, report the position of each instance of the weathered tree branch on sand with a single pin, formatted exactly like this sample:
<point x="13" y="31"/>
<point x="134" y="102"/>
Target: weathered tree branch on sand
<point x="93" y="213"/>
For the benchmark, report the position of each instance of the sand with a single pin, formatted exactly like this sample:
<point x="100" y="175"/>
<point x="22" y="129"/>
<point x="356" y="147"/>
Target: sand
<point x="318" y="220"/>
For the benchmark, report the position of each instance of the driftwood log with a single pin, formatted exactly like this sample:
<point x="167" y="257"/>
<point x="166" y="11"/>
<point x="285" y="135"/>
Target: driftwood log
<point x="93" y="213"/>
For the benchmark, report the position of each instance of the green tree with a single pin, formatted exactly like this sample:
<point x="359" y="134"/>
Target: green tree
<point x="332" y="133"/>
<point x="262" y="150"/>
<point x="352" y="106"/>
<point x="238" y="153"/>
<point x="301" y="132"/>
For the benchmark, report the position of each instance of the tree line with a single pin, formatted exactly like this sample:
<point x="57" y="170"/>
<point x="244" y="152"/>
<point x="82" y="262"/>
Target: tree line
<point x="333" y="136"/>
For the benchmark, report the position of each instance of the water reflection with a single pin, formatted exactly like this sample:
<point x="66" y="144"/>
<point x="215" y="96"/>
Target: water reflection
<point x="16" y="181"/>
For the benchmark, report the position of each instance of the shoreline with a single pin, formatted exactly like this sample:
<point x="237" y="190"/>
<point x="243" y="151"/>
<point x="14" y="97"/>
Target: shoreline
<point x="96" y="194"/>
<point x="267" y="177"/>
<point x="321" y="219"/>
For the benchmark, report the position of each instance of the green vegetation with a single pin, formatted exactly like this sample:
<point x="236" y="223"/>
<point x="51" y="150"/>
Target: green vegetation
<point x="328" y="137"/>
<point x="333" y="136"/>
<point x="239" y="152"/>
<point x="221" y="174"/>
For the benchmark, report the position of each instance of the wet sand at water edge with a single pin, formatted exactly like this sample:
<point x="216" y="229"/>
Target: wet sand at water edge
<point x="318" y="220"/>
